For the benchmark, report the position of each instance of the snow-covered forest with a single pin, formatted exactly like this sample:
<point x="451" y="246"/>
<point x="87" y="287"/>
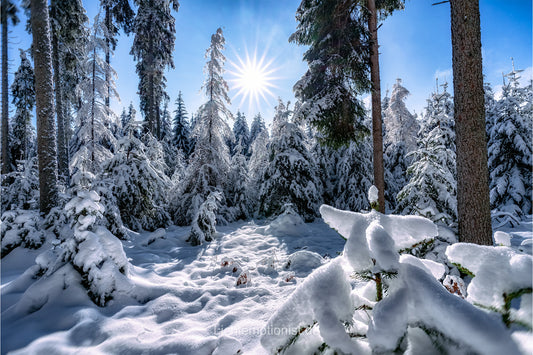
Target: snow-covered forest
<point x="336" y="226"/>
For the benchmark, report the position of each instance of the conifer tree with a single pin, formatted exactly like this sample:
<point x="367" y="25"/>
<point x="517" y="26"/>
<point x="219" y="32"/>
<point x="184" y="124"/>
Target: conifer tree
<point x="400" y="124"/>
<point x="181" y="138"/>
<point x="258" y="126"/>
<point x="395" y="165"/>
<point x="236" y="191"/>
<point x="432" y="188"/>
<point x="241" y="134"/>
<point x="94" y="140"/>
<point x="510" y="152"/>
<point x="338" y="71"/>
<point x="256" y="168"/>
<point x="136" y="177"/>
<point x="23" y="91"/>
<point x="118" y="14"/>
<point x="69" y="34"/>
<point x="354" y="176"/>
<point x="154" y="28"/>
<point x="290" y="176"/>
<point x="209" y="163"/>
<point x="169" y="150"/>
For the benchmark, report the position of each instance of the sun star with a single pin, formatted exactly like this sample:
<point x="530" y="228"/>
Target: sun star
<point x="252" y="79"/>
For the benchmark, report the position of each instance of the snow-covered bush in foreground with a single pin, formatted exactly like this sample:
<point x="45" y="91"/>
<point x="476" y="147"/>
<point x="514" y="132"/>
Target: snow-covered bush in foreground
<point x="330" y="310"/>
<point x="95" y="253"/>
<point x="204" y="222"/>
<point x="500" y="275"/>
<point x="20" y="228"/>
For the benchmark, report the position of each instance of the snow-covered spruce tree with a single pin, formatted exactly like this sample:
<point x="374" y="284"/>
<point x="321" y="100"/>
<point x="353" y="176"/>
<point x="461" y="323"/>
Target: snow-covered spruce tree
<point x="169" y="150"/>
<point x="510" y="153"/>
<point x="354" y="176"/>
<point x="118" y="14"/>
<point x="23" y="189"/>
<point x="258" y="126"/>
<point x="154" y="29"/>
<point x="395" y="166"/>
<point x="23" y="91"/>
<point x="69" y="33"/>
<point x="209" y="163"/>
<point x="91" y="249"/>
<point x="290" y="176"/>
<point x="400" y="124"/>
<point x="338" y="69"/>
<point x="415" y="313"/>
<point x="490" y="108"/>
<point x="136" y="177"/>
<point x="236" y="192"/>
<point x="204" y="222"/>
<point x="93" y="138"/>
<point x="181" y="130"/>
<point x="326" y="161"/>
<point x="241" y="134"/>
<point x="256" y="168"/>
<point x="432" y="188"/>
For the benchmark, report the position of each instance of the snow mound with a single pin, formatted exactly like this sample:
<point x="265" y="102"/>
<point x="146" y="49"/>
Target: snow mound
<point x="502" y="238"/>
<point x="289" y="223"/>
<point x="303" y="262"/>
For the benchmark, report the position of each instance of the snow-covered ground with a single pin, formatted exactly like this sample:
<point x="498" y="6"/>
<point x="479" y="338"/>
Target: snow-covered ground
<point x="213" y="299"/>
<point x="193" y="299"/>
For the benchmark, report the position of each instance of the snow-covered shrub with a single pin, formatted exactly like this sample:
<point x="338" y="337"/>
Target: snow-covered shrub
<point x="500" y="275"/>
<point x="204" y="222"/>
<point x="21" y="190"/>
<point x="20" y="228"/>
<point x="417" y="314"/>
<point x="288" y="223"/>
<point x="92" y="250"/>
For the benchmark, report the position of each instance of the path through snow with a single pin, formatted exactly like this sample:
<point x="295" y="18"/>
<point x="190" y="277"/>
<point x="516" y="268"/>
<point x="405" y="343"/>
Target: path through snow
<point x="193" y="300"/>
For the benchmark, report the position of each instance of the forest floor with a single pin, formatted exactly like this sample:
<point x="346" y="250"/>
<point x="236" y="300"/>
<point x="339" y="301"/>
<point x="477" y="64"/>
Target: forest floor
<point x="211" y="299"/>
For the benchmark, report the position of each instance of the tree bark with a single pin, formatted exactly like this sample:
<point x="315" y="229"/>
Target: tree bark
<point x="62" y="147"/>
<point x="44" y="95"/>
<point x="108" y="24"/>
<point x="6" y="163"/>
<point x="473" y="203"/>
<point x="377" y="134"/>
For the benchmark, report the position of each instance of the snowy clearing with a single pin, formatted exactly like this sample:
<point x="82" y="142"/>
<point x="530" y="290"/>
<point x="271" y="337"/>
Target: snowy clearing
<point x="193" y="299"/>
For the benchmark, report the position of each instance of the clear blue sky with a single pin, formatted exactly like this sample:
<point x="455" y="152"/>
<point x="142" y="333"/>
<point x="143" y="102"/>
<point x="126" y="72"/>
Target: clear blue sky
<point x="415" y="45"/>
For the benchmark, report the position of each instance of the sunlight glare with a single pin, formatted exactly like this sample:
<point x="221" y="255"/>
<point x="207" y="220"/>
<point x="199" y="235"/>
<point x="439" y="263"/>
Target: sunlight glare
<point x="252" y="78"/>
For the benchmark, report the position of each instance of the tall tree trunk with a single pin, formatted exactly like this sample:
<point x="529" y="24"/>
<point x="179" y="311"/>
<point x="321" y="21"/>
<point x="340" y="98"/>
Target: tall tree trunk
<point x="93" y="105"/>
<point x="62" y="148"/>
<point x="377" y="134"/>
<point x="6" y="163"/>
<point x="473" y="203"/>
<point x="44" y="95"/>
<point x="108" y="24"/>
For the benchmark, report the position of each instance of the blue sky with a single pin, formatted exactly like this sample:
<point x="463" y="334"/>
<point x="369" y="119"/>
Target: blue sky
<point x="415" y="45"/>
